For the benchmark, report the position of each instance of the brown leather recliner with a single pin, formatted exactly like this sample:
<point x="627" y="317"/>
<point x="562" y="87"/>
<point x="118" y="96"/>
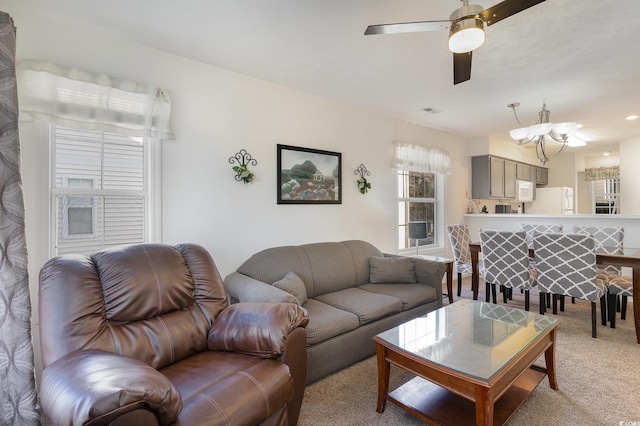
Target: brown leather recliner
<point x="142" y="334"/>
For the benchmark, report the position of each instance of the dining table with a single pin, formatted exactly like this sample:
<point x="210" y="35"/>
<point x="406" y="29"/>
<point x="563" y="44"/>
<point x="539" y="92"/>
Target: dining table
<point x="630" y="259"/>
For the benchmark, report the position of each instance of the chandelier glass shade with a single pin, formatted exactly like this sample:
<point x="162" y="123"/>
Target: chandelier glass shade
<point x="549" y="138"/>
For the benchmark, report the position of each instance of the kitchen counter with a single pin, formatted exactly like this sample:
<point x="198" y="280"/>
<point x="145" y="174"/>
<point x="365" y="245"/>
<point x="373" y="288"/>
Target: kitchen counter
<point x="630" y="223"/>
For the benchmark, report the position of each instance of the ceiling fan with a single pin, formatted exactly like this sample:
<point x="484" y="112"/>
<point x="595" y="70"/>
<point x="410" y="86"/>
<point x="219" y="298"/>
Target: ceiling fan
<point x="466" y="29"/>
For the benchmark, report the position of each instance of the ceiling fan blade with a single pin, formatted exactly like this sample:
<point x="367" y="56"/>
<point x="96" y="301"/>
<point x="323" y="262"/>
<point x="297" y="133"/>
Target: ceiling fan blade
<point x="500" y="11"/>
<point x="461" y="67"/>
<point x="408" y="27"/>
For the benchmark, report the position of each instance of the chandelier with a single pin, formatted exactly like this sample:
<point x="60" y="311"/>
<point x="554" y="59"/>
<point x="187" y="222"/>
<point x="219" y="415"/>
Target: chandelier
<point x="550" y="139"/>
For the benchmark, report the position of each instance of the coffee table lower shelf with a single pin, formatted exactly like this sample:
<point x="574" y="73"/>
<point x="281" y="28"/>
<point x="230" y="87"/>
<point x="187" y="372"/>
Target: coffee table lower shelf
<point x="435" y="405"/>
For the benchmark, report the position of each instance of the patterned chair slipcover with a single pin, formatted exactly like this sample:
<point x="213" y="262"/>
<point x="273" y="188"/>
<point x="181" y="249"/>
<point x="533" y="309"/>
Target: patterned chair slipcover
<point x="529" y="229"/>
<point x="566" y="265"/>
<point x="619" y="287"/>
<point x="460" y="240"/>
<point x="506" y="262"/>
<point x="609" y="239"/>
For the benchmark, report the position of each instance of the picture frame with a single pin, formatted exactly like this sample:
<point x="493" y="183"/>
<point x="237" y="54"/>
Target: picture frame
<point x="309" y="176"/>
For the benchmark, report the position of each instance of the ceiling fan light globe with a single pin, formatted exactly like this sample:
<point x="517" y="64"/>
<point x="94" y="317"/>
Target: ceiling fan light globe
<point x="565" y="129"/>
<point x="466" y="35"/>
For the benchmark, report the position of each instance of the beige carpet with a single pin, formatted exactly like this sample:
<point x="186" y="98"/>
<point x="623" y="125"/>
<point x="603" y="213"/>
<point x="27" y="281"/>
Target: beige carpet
<point x="598" y="380"/>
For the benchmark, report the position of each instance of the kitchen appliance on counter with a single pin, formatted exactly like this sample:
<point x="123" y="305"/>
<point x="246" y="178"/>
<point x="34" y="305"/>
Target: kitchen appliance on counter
<point x="558" y="200"/>
<point x="503" y="208"/>
<point x="524" y="190"/>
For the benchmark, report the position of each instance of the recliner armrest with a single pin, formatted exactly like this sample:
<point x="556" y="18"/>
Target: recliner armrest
<point x="258" y="329"/>
<point x="96" y="387"/>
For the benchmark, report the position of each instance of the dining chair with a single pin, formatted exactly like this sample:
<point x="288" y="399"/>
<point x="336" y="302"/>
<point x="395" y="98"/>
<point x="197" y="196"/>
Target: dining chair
<point x="460" y="240"/>
<point x="506" y="262"/>
<point x="566" y="265"/>
<point x="618" y="289"/>
<point x="610" y="239"/>
<point x="529" y="229"/>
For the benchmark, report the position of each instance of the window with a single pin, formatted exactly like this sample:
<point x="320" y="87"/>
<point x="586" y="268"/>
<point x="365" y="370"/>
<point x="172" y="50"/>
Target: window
<point x="77" y="212"/>
<point x="99" y="190"/>
<point x="417" y="199"/>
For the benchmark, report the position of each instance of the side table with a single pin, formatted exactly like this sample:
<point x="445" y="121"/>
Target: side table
<point x="448" y="263"/>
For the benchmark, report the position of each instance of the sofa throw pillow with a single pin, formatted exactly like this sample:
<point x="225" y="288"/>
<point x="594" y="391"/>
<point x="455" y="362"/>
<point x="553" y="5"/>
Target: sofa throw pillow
<point x="391" y="270"/>
<point x="292" y="283"/>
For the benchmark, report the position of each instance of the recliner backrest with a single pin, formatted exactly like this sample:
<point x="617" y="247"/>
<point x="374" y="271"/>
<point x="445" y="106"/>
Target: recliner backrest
<point x="153" y="302"/>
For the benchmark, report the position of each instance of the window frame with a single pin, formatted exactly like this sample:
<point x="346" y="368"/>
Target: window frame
<point x="150" y="193"/>
<point x="438" y="212"/>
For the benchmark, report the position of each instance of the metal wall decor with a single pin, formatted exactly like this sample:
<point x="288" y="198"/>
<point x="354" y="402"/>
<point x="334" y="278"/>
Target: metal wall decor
<point x="243" y="158"/>
<point x="363" y="185"/>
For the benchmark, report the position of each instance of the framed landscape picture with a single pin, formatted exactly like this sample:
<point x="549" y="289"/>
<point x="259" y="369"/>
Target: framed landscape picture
<point x="309" y="176"/>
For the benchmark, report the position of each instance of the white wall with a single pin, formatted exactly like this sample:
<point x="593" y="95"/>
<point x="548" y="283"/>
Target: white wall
<point x="215" y="114"/>
<point x="629" y="176"/>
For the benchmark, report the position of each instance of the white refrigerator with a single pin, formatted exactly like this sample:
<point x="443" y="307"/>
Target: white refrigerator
<point x="557" y="200"/>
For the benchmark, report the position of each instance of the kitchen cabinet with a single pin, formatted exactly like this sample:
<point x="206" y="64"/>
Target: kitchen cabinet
<point x="488" y="177"/>
<point x="510" y="168"/>
<point x="523" y="171"/>
<point x="542" y="176"/>
<point x="497" y="177"/>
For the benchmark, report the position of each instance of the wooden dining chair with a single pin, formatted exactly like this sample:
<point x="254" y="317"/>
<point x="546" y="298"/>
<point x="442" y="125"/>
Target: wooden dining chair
<point x="460" y="239"/>
<point x="566" y="265"/>
<point x="506" y="262"/>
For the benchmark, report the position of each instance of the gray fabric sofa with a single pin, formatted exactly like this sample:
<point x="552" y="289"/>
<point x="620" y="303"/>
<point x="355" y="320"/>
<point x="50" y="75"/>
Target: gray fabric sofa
<point x="351" y="290"/>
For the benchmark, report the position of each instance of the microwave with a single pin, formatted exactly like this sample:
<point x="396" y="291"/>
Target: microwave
<point x="524" y="191"/>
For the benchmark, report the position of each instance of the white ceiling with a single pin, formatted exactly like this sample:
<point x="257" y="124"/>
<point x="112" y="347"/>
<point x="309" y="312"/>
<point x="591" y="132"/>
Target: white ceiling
<point x="583" y="57"/>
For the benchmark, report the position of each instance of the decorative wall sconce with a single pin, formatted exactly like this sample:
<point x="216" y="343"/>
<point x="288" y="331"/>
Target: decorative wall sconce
<point x="243" y="158"/>
<point x="363" y="185"/>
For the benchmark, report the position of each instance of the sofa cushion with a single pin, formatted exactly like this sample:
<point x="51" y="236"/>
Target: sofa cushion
<point x="412" y="295"/>
<point x="332" y="267"/>
<point x="326" y="322"/>
<point x="391" y="270"/>
<point x="366" y="305"/>
<point x="292" y="283"/>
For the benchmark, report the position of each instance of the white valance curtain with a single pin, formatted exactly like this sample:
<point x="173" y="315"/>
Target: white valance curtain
<point x="600" y="173"/>
<point x="419" y="158"/>
<point x="88" y="101"/>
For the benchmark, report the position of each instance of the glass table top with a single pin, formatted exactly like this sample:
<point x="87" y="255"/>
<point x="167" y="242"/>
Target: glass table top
<point x="472" y="337"/>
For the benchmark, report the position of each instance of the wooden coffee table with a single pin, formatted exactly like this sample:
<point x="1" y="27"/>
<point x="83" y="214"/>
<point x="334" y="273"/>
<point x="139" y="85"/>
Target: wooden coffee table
<point x="472" y="360"/>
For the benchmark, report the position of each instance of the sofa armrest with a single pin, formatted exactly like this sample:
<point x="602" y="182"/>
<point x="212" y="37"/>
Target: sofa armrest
<point x="259" y="329"/>
<point x="246" y="289"/>
<point x="428" y="272"/>
<point x="431" y="273"/>
<point x="97" y="387"/>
